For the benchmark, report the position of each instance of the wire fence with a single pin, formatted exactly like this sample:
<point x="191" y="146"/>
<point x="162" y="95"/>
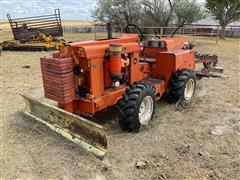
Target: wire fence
<point x="82" y="33"/>
<point x="97" y="32"/>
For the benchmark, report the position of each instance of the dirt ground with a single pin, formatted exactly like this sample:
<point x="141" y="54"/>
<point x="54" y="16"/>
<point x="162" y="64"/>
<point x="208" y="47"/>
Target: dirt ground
<point x="202" y="141"/>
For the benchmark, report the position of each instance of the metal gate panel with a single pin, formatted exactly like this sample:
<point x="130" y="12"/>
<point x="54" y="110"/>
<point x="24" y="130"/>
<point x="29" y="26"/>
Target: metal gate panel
<point x="29" y="27"/>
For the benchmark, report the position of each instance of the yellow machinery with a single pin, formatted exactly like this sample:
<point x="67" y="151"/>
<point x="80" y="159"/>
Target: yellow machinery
<point x="35" y="33"/>
<point x="41" y="43"/>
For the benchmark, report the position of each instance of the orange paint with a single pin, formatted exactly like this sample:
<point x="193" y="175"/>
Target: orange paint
<point x="115" y="65"/>
<point x="99" y="61"/>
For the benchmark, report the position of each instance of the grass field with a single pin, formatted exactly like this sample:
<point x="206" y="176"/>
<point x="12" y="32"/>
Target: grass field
<point x="202" y="141"/>
<point x="76" y="23"/>
<point x="4" y="25"/>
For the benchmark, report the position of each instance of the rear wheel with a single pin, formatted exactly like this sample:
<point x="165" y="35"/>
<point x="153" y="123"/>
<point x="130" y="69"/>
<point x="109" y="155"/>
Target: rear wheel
<point x="137" y="106"/>
<point x="182" y="86"/>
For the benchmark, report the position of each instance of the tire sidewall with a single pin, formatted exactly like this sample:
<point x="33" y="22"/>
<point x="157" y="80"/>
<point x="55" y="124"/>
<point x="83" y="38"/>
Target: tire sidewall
<point x="129" y="106"/>
<point x="177" y="84"/>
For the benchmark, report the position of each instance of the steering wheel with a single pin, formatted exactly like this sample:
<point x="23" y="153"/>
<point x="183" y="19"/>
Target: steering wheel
<point x="133" y="26"/>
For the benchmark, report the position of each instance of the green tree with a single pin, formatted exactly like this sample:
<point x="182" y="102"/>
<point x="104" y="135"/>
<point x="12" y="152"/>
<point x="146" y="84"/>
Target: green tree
<point x="119" y="12"/>
<point x="186" y="12"/>
<point x="148" y="12"/>
<point x="157" y="12"/>
<point x="225" y="11"/>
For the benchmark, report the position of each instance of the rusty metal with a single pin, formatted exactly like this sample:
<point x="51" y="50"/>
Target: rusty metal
<point x="29" y="27"/>
<point x="58" y="79"/>
<point x="87" y="134"/>
<point x="23" y="47"/>
<point x="206" y="59"/>
<point x="209" y="63"/>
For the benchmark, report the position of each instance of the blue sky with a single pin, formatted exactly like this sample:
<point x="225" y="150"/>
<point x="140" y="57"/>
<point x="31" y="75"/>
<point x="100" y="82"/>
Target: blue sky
<point x="70" y="9"/>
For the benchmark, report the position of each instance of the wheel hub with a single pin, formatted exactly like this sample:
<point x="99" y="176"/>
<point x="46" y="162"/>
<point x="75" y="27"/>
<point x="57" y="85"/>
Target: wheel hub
<point x="189" y="89"/>
<point x="146" y="110"/>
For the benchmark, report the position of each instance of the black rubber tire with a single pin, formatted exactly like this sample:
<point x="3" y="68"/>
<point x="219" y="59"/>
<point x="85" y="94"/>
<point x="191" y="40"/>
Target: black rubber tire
<point x="177" y="85"/>
<point x="129" y="105"/>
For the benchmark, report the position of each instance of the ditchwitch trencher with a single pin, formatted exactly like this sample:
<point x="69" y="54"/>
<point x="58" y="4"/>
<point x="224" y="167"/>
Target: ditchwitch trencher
<point x="87" y="77"/>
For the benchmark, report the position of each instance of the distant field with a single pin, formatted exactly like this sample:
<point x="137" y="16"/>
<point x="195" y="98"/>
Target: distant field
<point x="6" y="34"/>
<point x="77" y="23"/>
<point x="4" y="25"/>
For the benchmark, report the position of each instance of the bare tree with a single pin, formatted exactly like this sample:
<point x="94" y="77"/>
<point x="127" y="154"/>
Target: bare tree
<point x="158" y="12"/>
<point x="169" y="17"/>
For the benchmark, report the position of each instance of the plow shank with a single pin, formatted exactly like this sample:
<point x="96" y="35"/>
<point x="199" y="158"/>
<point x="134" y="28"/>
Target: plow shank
<point x="87" y="134"/>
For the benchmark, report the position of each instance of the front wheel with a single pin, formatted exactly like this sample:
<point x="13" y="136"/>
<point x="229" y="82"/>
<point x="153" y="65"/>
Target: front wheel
<point x="137" y="107"/>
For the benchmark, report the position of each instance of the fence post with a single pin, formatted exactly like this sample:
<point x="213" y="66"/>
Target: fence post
<point x="231" y="31"/>
<point x="121" y="29"/>
<point x="95" y="31"/>
<point x="161" y="32"/>
<point x="218" y="32"/>
<point x="195" y="32"/>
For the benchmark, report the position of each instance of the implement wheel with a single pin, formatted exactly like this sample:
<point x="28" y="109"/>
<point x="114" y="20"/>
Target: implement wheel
<point x="182" y="86"/>
<point x="137" y="107"/>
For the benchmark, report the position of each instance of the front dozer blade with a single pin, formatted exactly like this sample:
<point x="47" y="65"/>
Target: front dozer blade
<point x="87" y="134"/>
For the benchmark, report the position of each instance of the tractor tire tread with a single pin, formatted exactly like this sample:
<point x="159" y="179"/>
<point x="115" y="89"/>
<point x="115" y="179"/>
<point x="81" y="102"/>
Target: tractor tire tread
<point x="177" y="85"/>
<point x="128" y="106"/>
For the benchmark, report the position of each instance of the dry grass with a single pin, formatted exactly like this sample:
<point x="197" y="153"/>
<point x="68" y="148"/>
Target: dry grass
<point x="77" y="23"/>
<point x="4" y="25"/>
